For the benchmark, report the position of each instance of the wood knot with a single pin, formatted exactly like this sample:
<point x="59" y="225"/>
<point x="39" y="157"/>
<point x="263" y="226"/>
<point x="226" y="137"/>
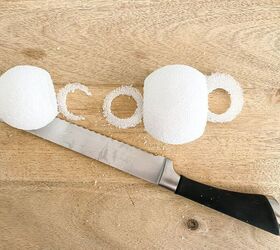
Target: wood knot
<point x="192" y="224"/>
<point x="276" y="97"/>
<point x="36" y="54"/>
<point x="140" y="55"/>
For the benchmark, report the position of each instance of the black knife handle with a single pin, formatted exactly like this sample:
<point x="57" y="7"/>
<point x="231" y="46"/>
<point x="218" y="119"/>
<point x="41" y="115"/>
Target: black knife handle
<point x="254" y="209"/>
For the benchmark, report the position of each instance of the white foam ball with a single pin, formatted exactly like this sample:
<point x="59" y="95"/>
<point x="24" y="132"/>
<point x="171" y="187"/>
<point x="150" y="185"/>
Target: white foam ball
<point x="27" y="97"/>
<point x="175" y="104"/>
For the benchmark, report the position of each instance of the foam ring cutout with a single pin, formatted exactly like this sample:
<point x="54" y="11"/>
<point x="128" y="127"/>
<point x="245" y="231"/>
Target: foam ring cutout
<point x="232" y="87"/>
<point x="127" y="122"/>
<point x="62" y="99"/>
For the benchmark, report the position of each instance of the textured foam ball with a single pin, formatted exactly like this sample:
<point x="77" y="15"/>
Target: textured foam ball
<point x="175" y="104"/>
<point x="27" y="97"/>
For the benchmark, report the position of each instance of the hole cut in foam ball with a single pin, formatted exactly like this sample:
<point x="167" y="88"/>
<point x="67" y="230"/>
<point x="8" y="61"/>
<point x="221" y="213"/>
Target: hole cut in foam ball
<point x="27" y="97"/>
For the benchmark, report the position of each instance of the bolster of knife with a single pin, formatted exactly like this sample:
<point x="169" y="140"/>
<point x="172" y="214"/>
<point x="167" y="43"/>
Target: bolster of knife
<point x="255" y="209"/>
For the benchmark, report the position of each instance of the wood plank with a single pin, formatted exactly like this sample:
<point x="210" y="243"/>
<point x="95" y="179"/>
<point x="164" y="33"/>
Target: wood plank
<point x="52" y="198"/>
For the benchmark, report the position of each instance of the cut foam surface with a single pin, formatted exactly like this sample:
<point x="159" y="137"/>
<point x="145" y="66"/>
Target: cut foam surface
<point x="127" y="122"/>
<point x="27" y="97"/>
<point x="62" y="99"/>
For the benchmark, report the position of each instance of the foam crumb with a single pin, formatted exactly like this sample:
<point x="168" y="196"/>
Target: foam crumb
<point x="62" y="98"/>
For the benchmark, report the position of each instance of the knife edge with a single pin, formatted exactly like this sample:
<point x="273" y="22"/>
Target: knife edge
<point x="130" y="159"/>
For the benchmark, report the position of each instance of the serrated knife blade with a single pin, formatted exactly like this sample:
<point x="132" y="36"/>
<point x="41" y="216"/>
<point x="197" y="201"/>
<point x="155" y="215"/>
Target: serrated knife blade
<point x="122" y="156"/>
<point x="255" y="209"/>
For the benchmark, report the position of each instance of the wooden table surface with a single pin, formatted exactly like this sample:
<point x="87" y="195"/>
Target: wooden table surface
<point x="52" y="198"/>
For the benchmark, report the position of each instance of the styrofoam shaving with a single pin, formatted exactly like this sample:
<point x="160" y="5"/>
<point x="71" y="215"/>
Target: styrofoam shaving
<point x="62" y="99"/>
<point x="230" y="85"/>
<point x="127" y="122"/>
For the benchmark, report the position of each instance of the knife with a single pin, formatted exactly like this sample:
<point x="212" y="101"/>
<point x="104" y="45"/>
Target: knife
<point x="258" y="210"/>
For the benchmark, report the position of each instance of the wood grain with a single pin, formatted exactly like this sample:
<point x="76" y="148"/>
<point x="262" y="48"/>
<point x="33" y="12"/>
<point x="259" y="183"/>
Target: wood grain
<point x="52" y="198"/>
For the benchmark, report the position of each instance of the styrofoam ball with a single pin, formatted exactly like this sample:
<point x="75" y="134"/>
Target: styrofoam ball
<point x="175" y="104"/>
<point x="27" y="97"/>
